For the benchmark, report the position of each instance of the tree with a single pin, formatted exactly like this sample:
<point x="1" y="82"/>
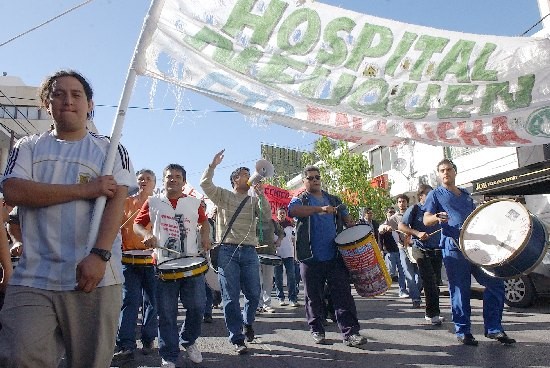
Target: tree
<point x="345" y="174"/>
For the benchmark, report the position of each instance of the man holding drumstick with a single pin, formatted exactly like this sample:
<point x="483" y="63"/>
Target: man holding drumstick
<point x="174" y="218"/>
<point x="320" y="216"/>
<point x="450" y="206"/>
<point x="139" y="280"/>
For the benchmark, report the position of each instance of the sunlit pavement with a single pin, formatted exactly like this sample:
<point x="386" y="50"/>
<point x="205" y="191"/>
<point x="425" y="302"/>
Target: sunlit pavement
<point x="398" y="337"/>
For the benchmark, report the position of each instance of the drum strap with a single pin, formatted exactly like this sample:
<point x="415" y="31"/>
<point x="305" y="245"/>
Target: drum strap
<point x="235" y="214"/>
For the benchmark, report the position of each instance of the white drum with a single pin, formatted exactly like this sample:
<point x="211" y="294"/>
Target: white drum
<point x="211" y="278"/>
<point x="269" y="259"/>
<point x="504" y="238"/>
<point x="179" y="268"/>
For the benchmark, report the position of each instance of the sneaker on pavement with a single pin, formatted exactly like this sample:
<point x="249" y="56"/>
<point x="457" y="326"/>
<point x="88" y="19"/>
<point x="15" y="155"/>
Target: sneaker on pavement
<point x="435" y="320"/>
<point x="249" y="333"/>
<point x="501" y="337"/>
<point x="416" y="304"/>
<point x="318" y="337"/>
<point x="240" y="347"/>
<point x="283" y="303"/>
<point x="355" y="340"/>
<point x="294" y="304"/>
<point x="167" y="364"/>
<point x="268" y="309"/>
<point x="148" y="348"/>
<point x="207" y="319"/>
<point x="467" y="339"/>
<point x="403" y="295"/>
<point x="194" y="353"/>
<point x="123" y="355"/>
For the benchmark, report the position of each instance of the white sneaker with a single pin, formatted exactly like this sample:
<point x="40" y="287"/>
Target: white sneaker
<point x="167" y="364"/>
<point x="194" y="353"/>
<point x="294" y="304"/>
<point x="435" y="320"/>
<point x="268" y="309"/>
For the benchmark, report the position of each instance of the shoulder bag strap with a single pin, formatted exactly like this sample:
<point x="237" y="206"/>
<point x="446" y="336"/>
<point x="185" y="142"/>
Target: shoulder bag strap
<point x="235" y="214"/>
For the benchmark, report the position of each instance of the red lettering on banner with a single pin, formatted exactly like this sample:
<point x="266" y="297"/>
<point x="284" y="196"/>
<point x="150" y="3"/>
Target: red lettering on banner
<point x="502" y="133"/>
<point x="442" y="129"/>
<point x="469" y="136"/>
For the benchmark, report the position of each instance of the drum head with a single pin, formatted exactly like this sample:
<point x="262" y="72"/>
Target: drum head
<point x="495" y="232"/>
<point x="353" y="234"/>
<point x="182" y="263"/>
<point x="211" y="278"/>
<point x="269" y="256"/>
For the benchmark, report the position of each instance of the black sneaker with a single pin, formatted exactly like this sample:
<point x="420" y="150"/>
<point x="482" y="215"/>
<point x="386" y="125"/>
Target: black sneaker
<point x="467" y="339"/>
<point x="148" y="348"/>
<point x="318" y="337"/>
<point x="501" y="337"/>
<point x="240" y="347"/>
<point x="207" y="319"/>
<point x="123" y="355"/>
<point x="249" y="333"/>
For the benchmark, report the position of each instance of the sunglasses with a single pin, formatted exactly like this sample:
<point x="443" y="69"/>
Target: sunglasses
<point x="310" y="178"/>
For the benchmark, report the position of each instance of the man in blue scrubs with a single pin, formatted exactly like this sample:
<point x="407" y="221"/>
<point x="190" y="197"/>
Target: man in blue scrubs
<point x="450" y="206"/>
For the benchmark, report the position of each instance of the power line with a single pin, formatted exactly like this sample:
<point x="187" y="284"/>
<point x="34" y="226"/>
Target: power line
<point x="534" y="25"/>
<point x="46" y="22"/>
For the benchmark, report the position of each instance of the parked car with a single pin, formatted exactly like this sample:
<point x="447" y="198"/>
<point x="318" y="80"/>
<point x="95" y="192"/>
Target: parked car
<point x="522" y="291"/>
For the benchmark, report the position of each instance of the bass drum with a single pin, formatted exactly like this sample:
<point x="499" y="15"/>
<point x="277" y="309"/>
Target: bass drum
<point x="504" y="238"/>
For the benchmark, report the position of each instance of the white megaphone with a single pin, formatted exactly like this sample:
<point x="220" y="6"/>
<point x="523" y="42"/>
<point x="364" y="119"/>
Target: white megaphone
<point x="264" y="169"/>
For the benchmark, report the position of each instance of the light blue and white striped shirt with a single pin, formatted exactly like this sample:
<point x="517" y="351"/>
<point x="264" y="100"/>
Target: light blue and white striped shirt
<point x="55" y="237"/>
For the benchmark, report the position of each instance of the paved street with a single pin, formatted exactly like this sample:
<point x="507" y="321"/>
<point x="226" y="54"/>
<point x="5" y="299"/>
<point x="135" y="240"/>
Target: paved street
<point x="398" y="337"/>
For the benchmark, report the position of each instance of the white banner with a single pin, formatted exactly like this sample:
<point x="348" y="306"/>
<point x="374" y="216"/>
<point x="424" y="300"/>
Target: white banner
<point x="354" y="77"/>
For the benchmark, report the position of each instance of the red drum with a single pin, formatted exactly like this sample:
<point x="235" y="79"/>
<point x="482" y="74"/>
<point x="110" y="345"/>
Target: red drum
<point x="364" y="260"/>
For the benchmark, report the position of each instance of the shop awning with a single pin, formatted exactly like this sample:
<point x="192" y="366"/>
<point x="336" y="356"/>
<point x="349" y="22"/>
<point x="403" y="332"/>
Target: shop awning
<point x="531" y="179"/>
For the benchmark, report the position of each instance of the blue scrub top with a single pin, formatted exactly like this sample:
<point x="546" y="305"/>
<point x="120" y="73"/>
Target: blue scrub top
<point x="323" y="229"/>
<point x="458" y="208"/>
<point x="417" y="223"/>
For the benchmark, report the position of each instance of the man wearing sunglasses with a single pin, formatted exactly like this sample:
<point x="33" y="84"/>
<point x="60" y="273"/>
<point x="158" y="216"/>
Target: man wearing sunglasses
<point x="320" y="216"/>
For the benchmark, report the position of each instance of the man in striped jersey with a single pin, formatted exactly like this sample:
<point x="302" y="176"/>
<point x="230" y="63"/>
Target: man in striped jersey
<point x="64" y="297"/>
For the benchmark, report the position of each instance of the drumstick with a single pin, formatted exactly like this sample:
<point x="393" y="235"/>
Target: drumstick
<point x="435" y="232"/>
<point x="168" y="249"/>
<point x="262" y="246"/>
<point x="133" y="214"/>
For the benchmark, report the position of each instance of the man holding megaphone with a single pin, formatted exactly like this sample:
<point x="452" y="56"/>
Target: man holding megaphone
<point x="238" y="262"/>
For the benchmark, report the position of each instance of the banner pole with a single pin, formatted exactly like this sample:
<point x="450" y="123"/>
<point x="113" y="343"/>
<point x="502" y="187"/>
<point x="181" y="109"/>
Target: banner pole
<point x="149" y="22"/>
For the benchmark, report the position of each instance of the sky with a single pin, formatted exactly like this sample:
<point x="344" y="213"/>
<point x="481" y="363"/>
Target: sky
<point x="98" y="40"/>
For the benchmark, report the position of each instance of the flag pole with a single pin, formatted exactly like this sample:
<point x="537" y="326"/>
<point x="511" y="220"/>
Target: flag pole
<point x="149" y="23"/>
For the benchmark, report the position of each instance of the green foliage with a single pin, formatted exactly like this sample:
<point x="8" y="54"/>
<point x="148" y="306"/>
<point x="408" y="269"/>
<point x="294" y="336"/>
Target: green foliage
<point x="278" y="181"/>
<point x="345" y="174"/>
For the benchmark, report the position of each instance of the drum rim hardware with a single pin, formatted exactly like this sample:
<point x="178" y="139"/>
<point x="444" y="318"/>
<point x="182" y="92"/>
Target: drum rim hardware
<point x="166" y="274"/>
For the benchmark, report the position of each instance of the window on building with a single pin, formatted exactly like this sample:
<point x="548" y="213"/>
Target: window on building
<point x="381" y="160"/>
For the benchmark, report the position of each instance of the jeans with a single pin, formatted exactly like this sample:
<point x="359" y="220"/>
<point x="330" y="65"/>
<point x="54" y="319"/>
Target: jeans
<point x="414" y="282"/>
<point x="428" y="264"/>
<point x="139" y="286"/>
<point x="238" y="270"/>
<point x="335" y="274"/>
<point x="288" y="263"/>
<point x="459" y="271"/>
<point x="191" y="293"/>
<point x="266" y="281"/>
<point x="209" y="300"/>
<point x="394" y="266"/>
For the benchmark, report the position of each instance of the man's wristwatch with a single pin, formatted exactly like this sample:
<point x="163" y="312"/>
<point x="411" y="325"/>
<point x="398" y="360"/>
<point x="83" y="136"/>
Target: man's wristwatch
<point x="103" y="253"/>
